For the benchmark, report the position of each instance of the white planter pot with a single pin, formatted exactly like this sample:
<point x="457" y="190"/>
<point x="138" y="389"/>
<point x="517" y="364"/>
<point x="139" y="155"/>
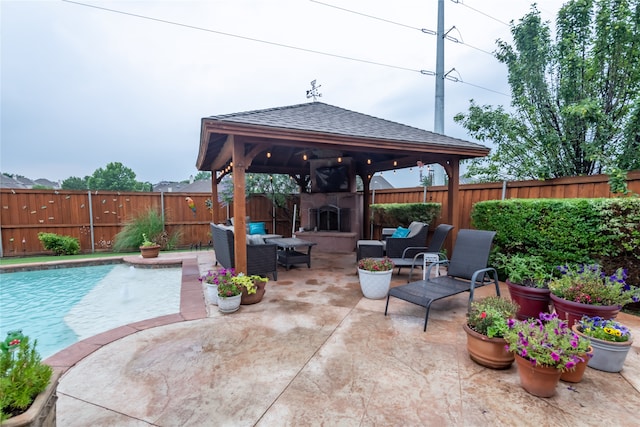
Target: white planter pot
<point x="375" y="284"/>
<point x="229" y="304"/>
<point x="212" y="293"/>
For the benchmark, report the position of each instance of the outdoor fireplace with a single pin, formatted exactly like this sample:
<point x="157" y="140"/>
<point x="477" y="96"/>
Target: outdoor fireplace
<point x="330" y="218"/>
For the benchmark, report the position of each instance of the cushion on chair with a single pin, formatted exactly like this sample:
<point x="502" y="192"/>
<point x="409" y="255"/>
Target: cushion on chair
<point x="414" y="228"/>
<point x="255" y="239"/>
<point x="257" y="228"/>
<point x="400" y="232"/>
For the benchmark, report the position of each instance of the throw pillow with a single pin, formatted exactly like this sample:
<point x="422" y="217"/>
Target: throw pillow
<point x="257" y="228"/>
<point x="400" y="232"/>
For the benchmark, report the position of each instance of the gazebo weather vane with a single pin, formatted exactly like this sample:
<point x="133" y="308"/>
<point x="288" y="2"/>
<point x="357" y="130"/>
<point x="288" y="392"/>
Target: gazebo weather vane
<point x="313" y="92"/>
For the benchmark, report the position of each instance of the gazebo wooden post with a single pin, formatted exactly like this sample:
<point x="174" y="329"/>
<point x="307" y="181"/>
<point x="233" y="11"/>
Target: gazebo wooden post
<point x="453" y="205"/>
<point x="215" y="217"/>
<point x="239" y="205"/>
<point x="366" y="201"/>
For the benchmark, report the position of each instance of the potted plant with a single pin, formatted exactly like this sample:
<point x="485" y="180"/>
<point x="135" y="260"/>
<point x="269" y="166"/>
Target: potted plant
<point x="543" y="348"/>
<point x="232" y="287"/>
<point x="375" y="276"/>
<point x="527" y="281"/>
<point x="27" y="386"/>
<point x="486" y="324"/>
<point x="212" y="279"/>
<point x="610" y="340"/>
<point x="253" y="288"/>
<point x="587" y="290"/>
<point x="149" y="249"/>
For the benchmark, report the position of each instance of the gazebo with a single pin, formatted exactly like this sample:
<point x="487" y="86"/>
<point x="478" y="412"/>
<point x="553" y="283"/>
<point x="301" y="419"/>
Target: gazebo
<point x="322" y="145"/>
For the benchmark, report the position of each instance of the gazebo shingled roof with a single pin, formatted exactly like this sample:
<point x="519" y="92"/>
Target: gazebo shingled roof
<point x="274" y="140"/>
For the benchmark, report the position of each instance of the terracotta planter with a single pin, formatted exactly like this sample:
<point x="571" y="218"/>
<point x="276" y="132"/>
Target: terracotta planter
<point x="575" y="375"/>
<point x="375" y="284"/>
<point x="572" y="312"/>
<point x="150" y="251"/>
<point x="42" y="412"/>
<point x="540" y="381"/>
<point x="532" y="301"/>
<point x="488" y="352"/>
<point x="608" y="356"/>
<point x="253" y="298"/>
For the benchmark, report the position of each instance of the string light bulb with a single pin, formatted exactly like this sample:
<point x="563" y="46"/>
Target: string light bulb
<point x="339" y="159"/>
<point x="395" y="163"/>
<point x="268" y="154"/>
<point x="305" y="157"/>
<point x="368" y="161"/>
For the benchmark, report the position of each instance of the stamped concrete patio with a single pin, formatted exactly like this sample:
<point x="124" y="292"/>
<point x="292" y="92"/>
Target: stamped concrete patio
<point x="315" y="352"/>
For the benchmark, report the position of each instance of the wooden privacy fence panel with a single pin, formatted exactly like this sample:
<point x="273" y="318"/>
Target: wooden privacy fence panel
<point x="95" y="218"/>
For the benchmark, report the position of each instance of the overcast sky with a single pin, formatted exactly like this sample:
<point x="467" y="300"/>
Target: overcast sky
<point x="83" y="86"/>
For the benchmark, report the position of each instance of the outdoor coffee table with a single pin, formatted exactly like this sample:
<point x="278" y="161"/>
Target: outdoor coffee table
<point x="291" y="251"/>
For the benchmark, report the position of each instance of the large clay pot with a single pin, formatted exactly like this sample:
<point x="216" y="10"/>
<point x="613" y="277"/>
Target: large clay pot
<point x="532" y="301"/>
<point x="254" y="298"/>
<point x="375" y="284"/>
<point x="485" y="351"/>
<point x="575" y="375"/>
<point x="150" y="251"/>
<point x="572" y="312"/>
<point x="540" y="381"/>
<point x="607" y="356"/>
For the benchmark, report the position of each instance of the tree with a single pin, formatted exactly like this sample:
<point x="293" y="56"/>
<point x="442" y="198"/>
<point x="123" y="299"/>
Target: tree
<point x="202" y="176"/>
<point x="275" y="187"/>
<point x="114" y="177"/>
<point x="576" y="102"/>
<point x="75" y="183"/>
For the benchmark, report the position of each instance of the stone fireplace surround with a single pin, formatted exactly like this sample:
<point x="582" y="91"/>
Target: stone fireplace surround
<point x="326" y="207"/>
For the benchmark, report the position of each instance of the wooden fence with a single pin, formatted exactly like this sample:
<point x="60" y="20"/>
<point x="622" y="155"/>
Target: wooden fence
<point x="96" y="217"/>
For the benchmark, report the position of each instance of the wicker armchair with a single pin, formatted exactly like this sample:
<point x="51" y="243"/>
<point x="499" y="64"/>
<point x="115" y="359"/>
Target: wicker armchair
<point x="261" y="259"/>
<point x="395" y="246"/>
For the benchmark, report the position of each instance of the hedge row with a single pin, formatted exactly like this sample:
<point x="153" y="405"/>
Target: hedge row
<point x="402" y="214"/>
<point x="563" y="231"/>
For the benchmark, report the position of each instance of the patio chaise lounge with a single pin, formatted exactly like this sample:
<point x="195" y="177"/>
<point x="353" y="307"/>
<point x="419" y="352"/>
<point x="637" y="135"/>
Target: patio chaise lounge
<point x="466" y="270"/>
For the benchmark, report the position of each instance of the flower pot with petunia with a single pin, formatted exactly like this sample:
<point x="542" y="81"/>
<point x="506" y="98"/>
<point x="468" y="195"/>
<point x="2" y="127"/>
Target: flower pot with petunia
<point x="586" y="290"/>
<point x="375" y="276"/>
<point x="543" y="349"/>
<point x="485" y="326"/>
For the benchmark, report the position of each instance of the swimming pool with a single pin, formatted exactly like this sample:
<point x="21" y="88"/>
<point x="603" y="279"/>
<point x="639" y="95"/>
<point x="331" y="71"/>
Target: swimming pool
<point x="59" y="307"/>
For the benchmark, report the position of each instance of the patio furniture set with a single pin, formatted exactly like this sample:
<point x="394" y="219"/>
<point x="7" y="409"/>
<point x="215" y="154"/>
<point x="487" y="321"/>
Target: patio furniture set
<point x="466" y="270"/>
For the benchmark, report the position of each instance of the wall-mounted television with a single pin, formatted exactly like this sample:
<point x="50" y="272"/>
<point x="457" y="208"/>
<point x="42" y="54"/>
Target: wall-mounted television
<point x="330" y="176"/>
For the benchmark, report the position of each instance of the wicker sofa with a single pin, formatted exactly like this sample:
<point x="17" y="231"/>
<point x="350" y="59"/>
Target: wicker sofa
<point x="261" y="258"/>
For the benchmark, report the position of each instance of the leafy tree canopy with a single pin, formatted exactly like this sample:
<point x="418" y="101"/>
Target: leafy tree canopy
<point x="75" y="183"/>
<point x="202" y="176"/>
<point x="114" y="177"/>
<point x="275" y="187"/>
<point x="576" y="102"/>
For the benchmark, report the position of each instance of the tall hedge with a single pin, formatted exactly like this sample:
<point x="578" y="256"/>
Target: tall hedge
<point x="562" y="231"/>
<point x="395" y="214"/>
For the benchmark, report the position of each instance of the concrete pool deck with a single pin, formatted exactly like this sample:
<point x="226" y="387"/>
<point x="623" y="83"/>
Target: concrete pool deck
<point x="315" y="352"/>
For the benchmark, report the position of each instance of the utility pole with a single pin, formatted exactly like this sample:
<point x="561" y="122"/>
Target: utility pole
<point x="438" y="112"/>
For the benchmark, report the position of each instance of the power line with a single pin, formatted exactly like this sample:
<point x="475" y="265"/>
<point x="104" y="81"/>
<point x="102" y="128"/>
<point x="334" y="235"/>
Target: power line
<point x="193" y="27"/>
<point x="208" y="30"/>
<point x="481" y="12"/>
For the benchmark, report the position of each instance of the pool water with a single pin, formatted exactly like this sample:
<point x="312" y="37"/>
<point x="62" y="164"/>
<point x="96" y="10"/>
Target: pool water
<point x="59" y="307"/>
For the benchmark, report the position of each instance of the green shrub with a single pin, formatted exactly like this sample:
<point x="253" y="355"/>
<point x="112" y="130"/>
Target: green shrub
<point x="60" y="245"/>
<point x="566" y="231"/>
<point x="395" y="214"/>
<point x="149" y="222"/>
<point x="22" y="376"/>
